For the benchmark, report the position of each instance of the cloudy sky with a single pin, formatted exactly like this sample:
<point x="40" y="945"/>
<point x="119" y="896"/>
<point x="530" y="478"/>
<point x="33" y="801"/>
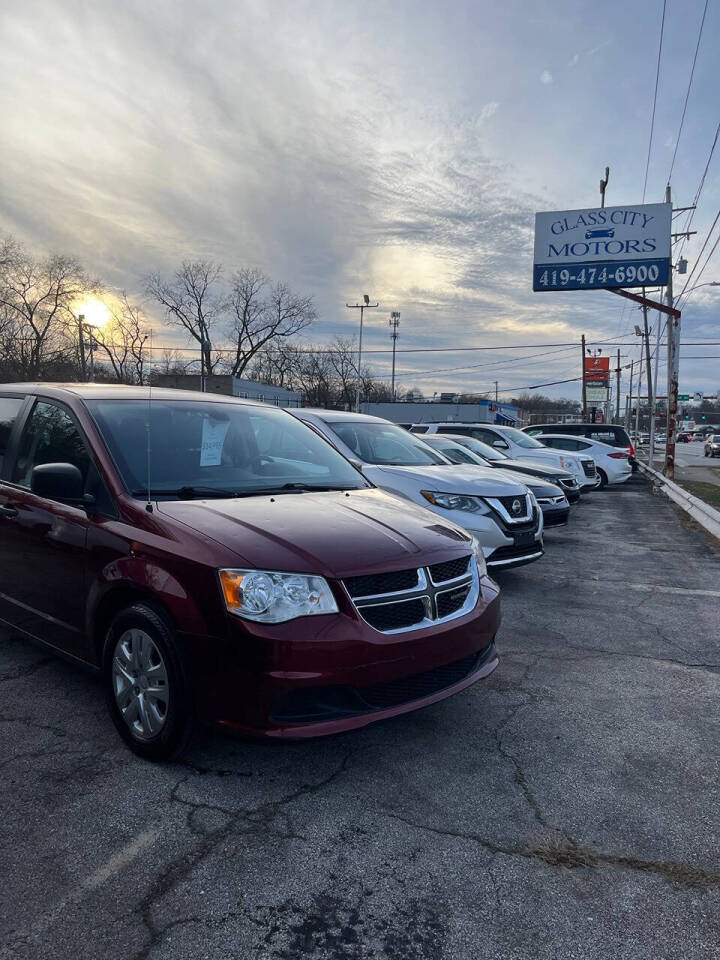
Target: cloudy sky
<point x="399" y="149"/>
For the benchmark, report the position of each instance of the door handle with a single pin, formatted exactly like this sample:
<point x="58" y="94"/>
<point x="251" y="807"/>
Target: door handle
<point x="8" y="511"/>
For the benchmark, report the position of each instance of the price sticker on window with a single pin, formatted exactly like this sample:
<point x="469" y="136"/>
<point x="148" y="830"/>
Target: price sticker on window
<point x="213" y="438"/>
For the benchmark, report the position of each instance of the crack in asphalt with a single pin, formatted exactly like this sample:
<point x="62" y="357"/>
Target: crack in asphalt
<point x="573" y="856"/>
<point x="597" y="653"/>
<point x="238" y="822"/>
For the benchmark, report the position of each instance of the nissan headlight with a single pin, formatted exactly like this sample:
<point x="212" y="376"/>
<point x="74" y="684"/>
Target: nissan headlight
<point x="479" y="557"/>
<point x="455" y="501"/>
<point x="269" y="597"/>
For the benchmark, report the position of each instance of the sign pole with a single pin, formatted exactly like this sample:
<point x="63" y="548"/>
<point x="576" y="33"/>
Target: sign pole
<point x="617" y="391"/>
<point x="628" y="410"/>
<point x="584" y="397"/>
<point x="639" y="396"/>
<point x="650" y="392"/>
<point x="673" y="339"/>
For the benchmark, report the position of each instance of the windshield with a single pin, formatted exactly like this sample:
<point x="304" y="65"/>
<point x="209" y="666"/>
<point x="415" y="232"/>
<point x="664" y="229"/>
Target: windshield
<point x="385" y="444"/>
<point x="482" y="449"/>
<point x="200" y="448"/>
<point x="454" y="452"/>
<point x="519" y="438"/>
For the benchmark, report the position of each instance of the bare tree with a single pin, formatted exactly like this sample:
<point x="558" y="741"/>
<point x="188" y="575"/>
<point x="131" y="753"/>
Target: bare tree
<point x="263" y="313"/>
<point x="123" y="341"/>
<point x="36" y="297"/>
<point x="193" y="300"/>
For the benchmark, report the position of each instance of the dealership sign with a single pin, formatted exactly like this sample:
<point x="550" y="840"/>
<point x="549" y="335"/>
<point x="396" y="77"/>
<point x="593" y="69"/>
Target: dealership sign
<point x="602" y="247"/>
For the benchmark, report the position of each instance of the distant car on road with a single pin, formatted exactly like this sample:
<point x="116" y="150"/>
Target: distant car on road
<point x="684" y="437"/>
<point x="712" y="445"/>
<point x="698" y="438"/>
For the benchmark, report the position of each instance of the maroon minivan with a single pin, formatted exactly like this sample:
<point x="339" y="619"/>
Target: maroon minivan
<point x="218" y="560"/>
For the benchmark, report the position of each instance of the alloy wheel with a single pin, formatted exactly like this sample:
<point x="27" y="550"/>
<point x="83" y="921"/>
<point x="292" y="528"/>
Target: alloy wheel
<point x="140" y="684"/>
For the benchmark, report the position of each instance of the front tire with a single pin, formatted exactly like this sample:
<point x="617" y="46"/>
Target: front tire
<point x="146" y="684"/>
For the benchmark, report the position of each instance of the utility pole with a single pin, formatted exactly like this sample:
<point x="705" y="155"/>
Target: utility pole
<point x="81" y="345"/>
<point x="639" y="395"/>
<point x="673" y="339"/>
<point x="584" y="398"/>
<point x="496" y="391"/>
<point x="628" y="412"/>
<point x="651" y="391"/>
<point x="362" y="307"/>
<point x="394" y="324"/>
<point x="617" y="390"/>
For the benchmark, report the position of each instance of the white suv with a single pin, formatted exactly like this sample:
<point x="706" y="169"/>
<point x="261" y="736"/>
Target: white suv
<point x="520" y="446"/>
<point x="502" y="514"/>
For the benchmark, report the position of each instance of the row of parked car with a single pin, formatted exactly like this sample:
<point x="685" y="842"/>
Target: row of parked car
<point x="279" y="573"/>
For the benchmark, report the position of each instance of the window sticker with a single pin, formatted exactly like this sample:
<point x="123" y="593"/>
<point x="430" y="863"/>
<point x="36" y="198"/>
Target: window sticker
<point x="213" y="438"/>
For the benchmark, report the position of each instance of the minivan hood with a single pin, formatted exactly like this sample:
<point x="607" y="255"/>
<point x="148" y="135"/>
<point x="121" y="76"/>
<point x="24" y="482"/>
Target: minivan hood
<point x="473" y="480"/>
<point x="333" y="534"/>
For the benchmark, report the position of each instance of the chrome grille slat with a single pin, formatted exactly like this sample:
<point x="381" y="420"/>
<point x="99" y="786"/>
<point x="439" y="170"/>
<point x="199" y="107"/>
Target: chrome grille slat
<point x="403" y="607"/>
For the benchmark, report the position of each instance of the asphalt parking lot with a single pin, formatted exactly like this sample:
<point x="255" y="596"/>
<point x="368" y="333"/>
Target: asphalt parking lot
<point x="568" y="807"/>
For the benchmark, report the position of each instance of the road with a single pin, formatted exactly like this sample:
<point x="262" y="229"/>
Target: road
<point x="690" y="463"/>
<point x="569" y="807"/>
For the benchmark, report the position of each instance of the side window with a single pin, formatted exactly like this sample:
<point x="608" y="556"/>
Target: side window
<point x="535" y="432"/>
<point x="487" y="436"/>
<point x="580" y="445"/>
<point x="50" y="436"/>
<point x="9" y="409"/>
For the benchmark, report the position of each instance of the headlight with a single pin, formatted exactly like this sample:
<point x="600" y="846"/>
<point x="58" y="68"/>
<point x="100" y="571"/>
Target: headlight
<point x="455" y="501"/>
<point x="479" y="557"/>
<point x="269" y="597"/>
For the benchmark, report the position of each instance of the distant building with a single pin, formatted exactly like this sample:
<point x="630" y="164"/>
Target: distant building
<point x="232" y="387"/>
<point x="483" y="411"/>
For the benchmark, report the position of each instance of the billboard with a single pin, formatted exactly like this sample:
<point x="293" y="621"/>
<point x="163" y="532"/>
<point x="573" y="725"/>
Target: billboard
<point x="602" y="247"/>
<point x="597" y="370"/>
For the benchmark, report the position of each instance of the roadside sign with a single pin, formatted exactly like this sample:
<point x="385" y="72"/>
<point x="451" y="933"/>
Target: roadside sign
<point x="596" y="393"/>
<point x="683" y="397"/>
<point x="597" y="370"/>
<point x="602" y="247"/>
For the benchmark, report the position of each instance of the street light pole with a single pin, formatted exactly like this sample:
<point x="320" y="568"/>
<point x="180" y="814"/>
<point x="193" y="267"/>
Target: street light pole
<point x="365" y="305"/>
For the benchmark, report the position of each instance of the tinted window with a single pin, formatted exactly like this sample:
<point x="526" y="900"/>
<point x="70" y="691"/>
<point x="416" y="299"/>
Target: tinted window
<point x="384" y="444"/>
<point x="606" y="436"/>
<point x="562" y="443"/>
<point x="9" y="409"/>
<point x="419" y="429"/>
<point x="50" y="436"/>
<point x="216" y="446"/>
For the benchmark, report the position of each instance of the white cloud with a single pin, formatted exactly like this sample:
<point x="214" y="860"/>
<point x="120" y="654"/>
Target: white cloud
<point x="546" y="77"/>
<point x="489" y="110"/>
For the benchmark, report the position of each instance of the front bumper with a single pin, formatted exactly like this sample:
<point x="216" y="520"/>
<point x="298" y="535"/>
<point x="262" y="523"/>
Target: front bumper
<point x="555" y="516"/>
<point x="322" y="675"/>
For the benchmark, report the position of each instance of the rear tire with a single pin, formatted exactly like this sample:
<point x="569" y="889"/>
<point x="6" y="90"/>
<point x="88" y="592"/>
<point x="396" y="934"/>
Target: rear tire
<point x="603" y="479"/>
<point x="146" y="685"/>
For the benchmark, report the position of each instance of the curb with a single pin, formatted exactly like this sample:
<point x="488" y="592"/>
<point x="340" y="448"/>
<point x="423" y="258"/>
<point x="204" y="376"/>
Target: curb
<point x="708" y="517"/>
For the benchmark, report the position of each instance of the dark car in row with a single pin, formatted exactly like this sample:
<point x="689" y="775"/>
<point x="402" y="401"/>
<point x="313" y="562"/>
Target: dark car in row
<point x="218" y="560"/>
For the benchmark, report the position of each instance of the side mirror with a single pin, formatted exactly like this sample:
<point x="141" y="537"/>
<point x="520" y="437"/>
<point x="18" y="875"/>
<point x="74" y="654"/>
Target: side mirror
<point x="357" y="464"/>
<point x="500" y="444"/>
<point x="58" y="481"/>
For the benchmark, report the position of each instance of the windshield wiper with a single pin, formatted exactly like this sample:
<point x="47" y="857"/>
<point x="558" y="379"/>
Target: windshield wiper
<point x="189" y="493"/>
<point x="303" y="488"/>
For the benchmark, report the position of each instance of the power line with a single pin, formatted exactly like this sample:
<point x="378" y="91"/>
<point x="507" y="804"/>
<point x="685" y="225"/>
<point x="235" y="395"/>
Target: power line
<point x="657" y="80"/>
<point x="699" y="190"/>
<point x="707" y="240"/>
<point x="687" y="94"/>
<point x="707" y="261"/>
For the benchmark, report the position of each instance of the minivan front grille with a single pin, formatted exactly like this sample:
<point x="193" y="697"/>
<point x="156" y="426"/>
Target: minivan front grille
<point x="589" y="468"/>
<point x="450" y="570"/>
<point x="421" y="597"/>
<point x="379" y="583"/>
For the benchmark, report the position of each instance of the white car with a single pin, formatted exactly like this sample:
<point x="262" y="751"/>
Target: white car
<point x="613" y="465"/>
<point x="502" y="514"/>
<point x="519" y="446"/>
